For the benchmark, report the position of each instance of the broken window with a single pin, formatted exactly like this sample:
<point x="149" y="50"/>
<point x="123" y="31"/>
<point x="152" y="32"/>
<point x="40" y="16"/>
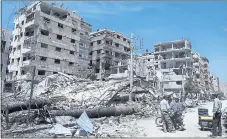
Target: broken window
<point x="99" y="42"/>
<point x="96" y="70"/>
<point x="44" y="32"/>
<point x="117" y="44"/>
<point x="57" y="61"/>
<point x="81" y="44"/>
<point x="56" y="14"/>
<point x="107" y="52"/>
<point x="43" y="58"/>
<point x="73" y="41"/>
<point x="86" y="33"/>
<point x="118" y="37"/>
<point x="17" y="26"/>
<point x="21" y="34"/>
<point x="22" y="72"/>
<point x="43" y="45"/>
<point x="179" y="82"/>
<point x="59" y="37"/>
<point x="18" y="59"/>
<point x="124" y="39"/>
<point x="24" y="58"/>
<point x="41" y="72"/>
<point x="71" y="52"/>
<point x="81" y="34"/>
<point x="60" y="25"/>
<point x="71" y="63"/>
<point x="12" y="61"/>
<point x="91" y="44"/>
<point x="22" y="23"/>
<point x="47" y="20"/>
<point x="98" y="51"/>
<point x="16" y="72"/>
<point x="55" y="72"/>
<point x="58" y="49"/>
<point x="30" y="17"/>
<point x="73" y="30"/>
<point x="3" y="45"/>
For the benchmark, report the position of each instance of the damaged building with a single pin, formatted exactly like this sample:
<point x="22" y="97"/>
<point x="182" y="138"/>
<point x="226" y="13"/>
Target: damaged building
<point x="110" y="51"/>
<point x="5" y="50"/>
<point x="174" y="60"/>
<point x="206" y="73"/>
<point x="50" y="39"/>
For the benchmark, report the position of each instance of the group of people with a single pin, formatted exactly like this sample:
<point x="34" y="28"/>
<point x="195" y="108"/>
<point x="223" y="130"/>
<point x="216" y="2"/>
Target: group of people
<point x="172" y="110"/>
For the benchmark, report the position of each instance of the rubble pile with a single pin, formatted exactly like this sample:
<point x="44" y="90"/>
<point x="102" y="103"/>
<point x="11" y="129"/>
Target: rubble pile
<point x="70" y="96"/>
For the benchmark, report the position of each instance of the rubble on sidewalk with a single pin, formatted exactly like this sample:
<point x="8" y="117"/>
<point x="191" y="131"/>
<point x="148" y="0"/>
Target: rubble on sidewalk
<point x="68" y="93"/>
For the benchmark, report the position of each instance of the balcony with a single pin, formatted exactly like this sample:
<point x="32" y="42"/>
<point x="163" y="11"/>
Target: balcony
<point x="172" y="49"/>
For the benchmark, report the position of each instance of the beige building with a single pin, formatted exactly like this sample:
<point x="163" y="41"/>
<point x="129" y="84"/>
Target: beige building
<point x="110" y="51"/>
<point x="175" y="63"/>
<point x="5" y="50"/>
<point x="198" y="66"/>
<point x="206" y="73"/>
<point x="51" y="39"/>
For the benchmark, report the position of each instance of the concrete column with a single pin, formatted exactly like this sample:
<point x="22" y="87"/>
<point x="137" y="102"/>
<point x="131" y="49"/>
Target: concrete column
<point x="172" y="45"/>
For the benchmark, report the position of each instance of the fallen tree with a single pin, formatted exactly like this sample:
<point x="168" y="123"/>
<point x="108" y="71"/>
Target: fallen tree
<point x="24" y="106"/>
<point x="98" y="112"/>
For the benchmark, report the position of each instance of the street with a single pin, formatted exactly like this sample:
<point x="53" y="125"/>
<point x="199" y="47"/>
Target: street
<point x="190" y="121"/>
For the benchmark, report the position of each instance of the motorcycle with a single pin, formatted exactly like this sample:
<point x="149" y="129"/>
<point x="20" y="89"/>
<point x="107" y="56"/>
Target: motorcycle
<point x="159" y="121"/>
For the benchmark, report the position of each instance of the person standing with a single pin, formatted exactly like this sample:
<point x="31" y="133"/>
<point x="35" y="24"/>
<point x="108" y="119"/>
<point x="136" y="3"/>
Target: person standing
<point x="165" y="111"/>
<point x="217" y="106"/>
<point x="177" y="107"/>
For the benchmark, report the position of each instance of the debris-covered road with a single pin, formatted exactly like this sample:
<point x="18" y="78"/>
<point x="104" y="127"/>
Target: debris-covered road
<point x="190" y="121"/>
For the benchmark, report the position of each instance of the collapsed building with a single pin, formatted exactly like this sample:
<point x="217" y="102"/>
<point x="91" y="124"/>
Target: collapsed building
<point x="109" y="52"/>
<point x="48" y="39"/>
<point x="214" y="83"/>
<point x="5" y="50"/>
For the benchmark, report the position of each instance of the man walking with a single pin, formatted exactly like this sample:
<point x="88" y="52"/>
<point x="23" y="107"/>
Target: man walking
<point x="165" y="111"/>
<point x="217" y="106"/>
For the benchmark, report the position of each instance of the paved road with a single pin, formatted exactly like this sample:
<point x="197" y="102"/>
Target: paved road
<point x="190" y="121"/>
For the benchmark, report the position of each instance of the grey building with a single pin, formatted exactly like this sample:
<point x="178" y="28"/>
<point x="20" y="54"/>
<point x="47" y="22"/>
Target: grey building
<point x="51" y="39"/>
<point x="5" y="50"/>
<point x="174" y="60"/>
<point x="110" y="52"/>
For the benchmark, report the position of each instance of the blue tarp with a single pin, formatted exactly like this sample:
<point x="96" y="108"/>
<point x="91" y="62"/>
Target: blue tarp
<point x="85" y="123"/>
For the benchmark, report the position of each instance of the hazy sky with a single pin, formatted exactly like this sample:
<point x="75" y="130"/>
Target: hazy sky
<point x="203" y="23"/>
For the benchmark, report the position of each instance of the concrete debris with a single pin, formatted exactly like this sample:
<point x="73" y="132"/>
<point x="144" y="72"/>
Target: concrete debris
<point x="70" y="96"/>
<point x="60" y="130"/>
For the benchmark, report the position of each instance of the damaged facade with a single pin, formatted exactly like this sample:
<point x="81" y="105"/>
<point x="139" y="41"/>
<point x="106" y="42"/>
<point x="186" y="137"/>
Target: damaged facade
<point x="109" y="54"/>
<point x="51" y="39"/>
<point x="214" y="83"/>
<point x="174" y="60"/>
<point x="206" y="73"/>
<point x="5" y="50"/>
<point x="144" y="67"/>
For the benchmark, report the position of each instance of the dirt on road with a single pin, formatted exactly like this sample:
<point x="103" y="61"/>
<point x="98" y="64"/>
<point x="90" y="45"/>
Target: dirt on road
<point x="190" y="121"/>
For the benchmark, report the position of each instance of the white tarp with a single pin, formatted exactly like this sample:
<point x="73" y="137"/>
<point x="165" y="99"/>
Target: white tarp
<point x="85" y="123"/>
<point x="60" y="130"/>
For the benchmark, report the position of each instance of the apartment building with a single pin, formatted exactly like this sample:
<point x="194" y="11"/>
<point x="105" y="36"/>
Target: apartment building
<point x="206" y="73"/>
<point x="198" y="66"/>
<point x="174" y="60"/>
<point x="109" y="52"/>
<point x="5" y="50"/>
<point x="50" y="39"/>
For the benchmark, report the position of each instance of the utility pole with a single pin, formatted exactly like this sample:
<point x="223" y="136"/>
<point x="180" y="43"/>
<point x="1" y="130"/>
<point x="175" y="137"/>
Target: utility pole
<point x="131" y="60"/>
<point x="31" y="93"/>
<point x="131" y="66"/>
